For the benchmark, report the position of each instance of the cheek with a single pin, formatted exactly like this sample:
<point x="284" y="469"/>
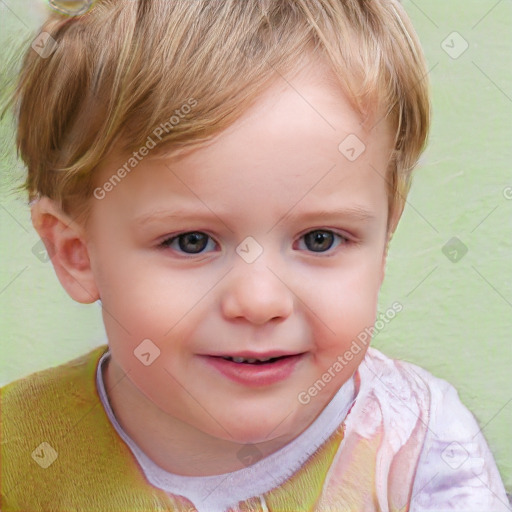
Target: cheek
<point x="344" y="335"/>
<point x="354" y="289"/>
<point x="147" y="302"/>
<point x="146" y="298"/>
<point x="347" y="310"/>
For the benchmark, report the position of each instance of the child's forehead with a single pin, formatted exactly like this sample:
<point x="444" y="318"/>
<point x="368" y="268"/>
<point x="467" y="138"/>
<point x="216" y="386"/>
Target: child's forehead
<point x="287" y="147"/>
<point x="296" y="131"/>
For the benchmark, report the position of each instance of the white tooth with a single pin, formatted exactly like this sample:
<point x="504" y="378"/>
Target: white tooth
<point x="248" y="360"/>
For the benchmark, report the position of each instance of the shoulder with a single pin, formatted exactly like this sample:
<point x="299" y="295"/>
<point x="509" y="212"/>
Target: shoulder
<point x="80" y="364"/>
<point x="74" y="378"/>
<point x="409" y="391"/>
<point x="38" y="405"/>
<point x="402" y="382"/>
<point x="397" y="370"/>
<point x="38" y="413"/>
<point x="455" y="464"/>
<point x="404" y="386"/>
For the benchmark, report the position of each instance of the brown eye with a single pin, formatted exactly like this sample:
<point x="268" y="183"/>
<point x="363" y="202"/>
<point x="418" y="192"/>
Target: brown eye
<point x="319" y="241"/>
<point x="190" y="243"/>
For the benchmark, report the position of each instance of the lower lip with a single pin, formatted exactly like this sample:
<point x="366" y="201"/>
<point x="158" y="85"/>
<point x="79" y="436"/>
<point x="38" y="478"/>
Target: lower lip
<point x="255" y="375"/>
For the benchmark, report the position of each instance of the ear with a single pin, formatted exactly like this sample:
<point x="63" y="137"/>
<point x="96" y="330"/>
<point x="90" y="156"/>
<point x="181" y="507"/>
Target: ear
<point x="384" y="257"/>
<point x="67" y="248"/>
<point x="393" y="223"/>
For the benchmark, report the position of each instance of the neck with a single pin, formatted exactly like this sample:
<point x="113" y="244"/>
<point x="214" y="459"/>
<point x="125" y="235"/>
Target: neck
<point x="175" y="446"/>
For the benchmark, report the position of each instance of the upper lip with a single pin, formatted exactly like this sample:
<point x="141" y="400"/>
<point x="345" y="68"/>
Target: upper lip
<point x="257" y="355"/>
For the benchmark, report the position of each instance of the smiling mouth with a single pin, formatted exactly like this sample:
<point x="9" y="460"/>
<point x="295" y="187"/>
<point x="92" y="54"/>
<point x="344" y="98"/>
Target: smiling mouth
<point x="262" y="360"/>
<point x="256" y="370"/>
<point x="249" y="360"/>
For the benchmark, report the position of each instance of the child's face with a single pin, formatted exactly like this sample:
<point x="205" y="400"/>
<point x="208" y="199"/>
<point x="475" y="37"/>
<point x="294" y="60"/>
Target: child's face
<point x="261" y="186"/>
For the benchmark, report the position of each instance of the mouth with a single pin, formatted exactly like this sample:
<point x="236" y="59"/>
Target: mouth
<point x="256" y="358"/>
<point x="252" y="369"/>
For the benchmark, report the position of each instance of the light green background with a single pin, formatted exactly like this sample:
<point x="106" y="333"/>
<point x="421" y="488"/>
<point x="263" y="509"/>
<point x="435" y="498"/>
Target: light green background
<point x="456" y="320"/>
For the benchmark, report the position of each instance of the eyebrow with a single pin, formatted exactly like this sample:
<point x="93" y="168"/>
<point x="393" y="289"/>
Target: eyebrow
<point x="354" y="213"/>
<point x="164" y="215"/>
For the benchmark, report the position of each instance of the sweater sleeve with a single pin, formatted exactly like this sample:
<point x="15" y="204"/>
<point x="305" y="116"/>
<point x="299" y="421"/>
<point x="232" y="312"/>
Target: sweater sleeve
<point x="456" y="470"/>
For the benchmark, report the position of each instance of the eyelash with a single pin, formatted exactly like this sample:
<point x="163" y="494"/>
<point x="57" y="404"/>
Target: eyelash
<point x="165" y="244"/>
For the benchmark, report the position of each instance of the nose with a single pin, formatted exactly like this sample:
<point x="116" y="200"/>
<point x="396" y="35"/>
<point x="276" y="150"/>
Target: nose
<point x="256" y="292"/>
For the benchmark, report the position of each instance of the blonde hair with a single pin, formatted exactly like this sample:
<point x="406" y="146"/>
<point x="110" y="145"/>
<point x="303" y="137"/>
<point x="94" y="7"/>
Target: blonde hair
<point x="124" y="67"/>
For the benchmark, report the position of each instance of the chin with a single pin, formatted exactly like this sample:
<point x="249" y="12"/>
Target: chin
<point x="256" y="430"/>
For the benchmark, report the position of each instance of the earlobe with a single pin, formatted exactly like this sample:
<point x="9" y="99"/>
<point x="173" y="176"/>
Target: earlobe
<point x="67" y="248"/>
